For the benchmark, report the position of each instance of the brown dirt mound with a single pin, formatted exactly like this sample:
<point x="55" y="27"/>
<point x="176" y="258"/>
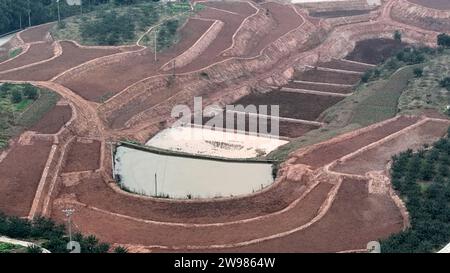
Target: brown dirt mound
<point x="375" y="51"/>
<point x="21" y="172"/>
<point x="314" y="75"/>
<point x="434" y="4"/>
<point x="36" y="53"/>
<point x="326" y="154"/>
<point x="36" y="34"/>
<point x="354" y="219"/>
<point x="83" y="157"/>
<point x="319" y="87"/>
<point x="292" y="105"/>
<point x="71" y="57"/>
<point x="377" y="158"/>
<point x="53" y="120"/>
<point x="107" y="80"/>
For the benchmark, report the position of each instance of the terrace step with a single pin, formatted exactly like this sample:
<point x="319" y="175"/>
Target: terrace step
<point x="360" y="63"/>
<point x="335" y="70"/>
<point x="313" y="92"/>
<point x="310" y="122"/>
<point x="234" y="131"/>
<point x="324" y="83"/>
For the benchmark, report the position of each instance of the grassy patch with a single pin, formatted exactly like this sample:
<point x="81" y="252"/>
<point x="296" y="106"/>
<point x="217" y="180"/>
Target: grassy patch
<point x="17" y="116"/>
<point x="117" y="25"/>
<point x="10" y="248"/>
<point x="13" y="53"/>
<point x="425" y="92"/>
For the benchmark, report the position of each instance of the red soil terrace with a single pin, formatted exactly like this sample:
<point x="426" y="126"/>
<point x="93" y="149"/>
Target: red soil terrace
<point x="36" y="53"/>
<point x="36" y="34"/>
<point x="323" y="155"/>
<point x="53" y="120"/>
<point x="292" y="105"/>
<point x="83" y="157"/>
<point x="21" y="172"/>
<point x="354" y="219"/>
<point x="320" y="87"/>
<point x="72" y="55"/>
<point x="434" y="4"/>
<point x="377" y="158"/>
<point x="108" y="79"/>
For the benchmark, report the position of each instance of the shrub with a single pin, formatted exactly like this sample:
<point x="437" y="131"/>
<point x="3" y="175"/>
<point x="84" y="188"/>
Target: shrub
<point x="445" y="83"/>
<point x="16" y="96"/>
<point x="30" y="92"/>
<point x="418" y="72"/>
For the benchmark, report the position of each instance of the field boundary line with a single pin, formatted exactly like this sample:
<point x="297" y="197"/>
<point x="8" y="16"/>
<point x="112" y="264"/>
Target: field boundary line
<point x="321" y="213"/>
<point x="57" y="52"/>
<point x="25" y="48"/>
<point x="221" y="224"/>
<point x="325" y="83"/>
<point x="42" y="181"/>
<point x="313" y="92"/>
<point x="233" y="38"/>
<point x="343" y="71"/>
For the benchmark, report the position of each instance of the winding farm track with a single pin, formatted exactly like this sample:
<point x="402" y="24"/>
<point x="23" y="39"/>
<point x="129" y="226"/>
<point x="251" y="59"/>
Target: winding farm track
<point x="318" y="203"/>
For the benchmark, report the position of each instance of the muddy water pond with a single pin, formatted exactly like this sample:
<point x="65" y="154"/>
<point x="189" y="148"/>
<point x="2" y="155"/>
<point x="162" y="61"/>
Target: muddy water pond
<point x="166" y="175"/>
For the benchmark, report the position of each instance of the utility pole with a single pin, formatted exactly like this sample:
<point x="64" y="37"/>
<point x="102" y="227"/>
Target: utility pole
<point x="59" y="14"/>
<point x="29" y="14"/>
<point x="69" y="212"/>
<point x="156" y="49"/>
<point x="156" y="185"/>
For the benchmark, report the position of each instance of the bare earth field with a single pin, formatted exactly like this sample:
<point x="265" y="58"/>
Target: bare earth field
<point x="292" y="105"/>
<point x="138" y="232"/>
<point x="53" y="120"/>
<point x="354" y="219"/>
<point x="320" y="87"/>
<point x="345" y="65"/>
<point x="36" y="34"/>
<point x="21" y="172"/>
<point x="377" y="158"/>
<point x="314" y="75"/>
<point x="326" y="154"/>
<point x="72" y="56"/>
<point x="83" y="157"/>
<point x="374" y="51"/>
<point x="308" y="209"/>
<point x="434" y="4"/>
<point x="36" y="53"/>
<point x="108" y="79"/>
<point x="278" y="198"/>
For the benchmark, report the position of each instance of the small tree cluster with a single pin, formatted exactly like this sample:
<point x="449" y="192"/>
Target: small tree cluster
<point x="423" y="181"/>
<point x="443" y="40"/>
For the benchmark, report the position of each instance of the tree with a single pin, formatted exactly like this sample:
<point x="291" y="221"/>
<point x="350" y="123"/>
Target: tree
<point x="398" y="36"/>
<point x="120" y="249"/>
<point x="34" y="249"/>
<point x="445" y="83"/>
<point x="418" y="72"/>
<point x="30" y="92"/>
<point x="443" y="40"/>
<point x="16" y="96"/>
